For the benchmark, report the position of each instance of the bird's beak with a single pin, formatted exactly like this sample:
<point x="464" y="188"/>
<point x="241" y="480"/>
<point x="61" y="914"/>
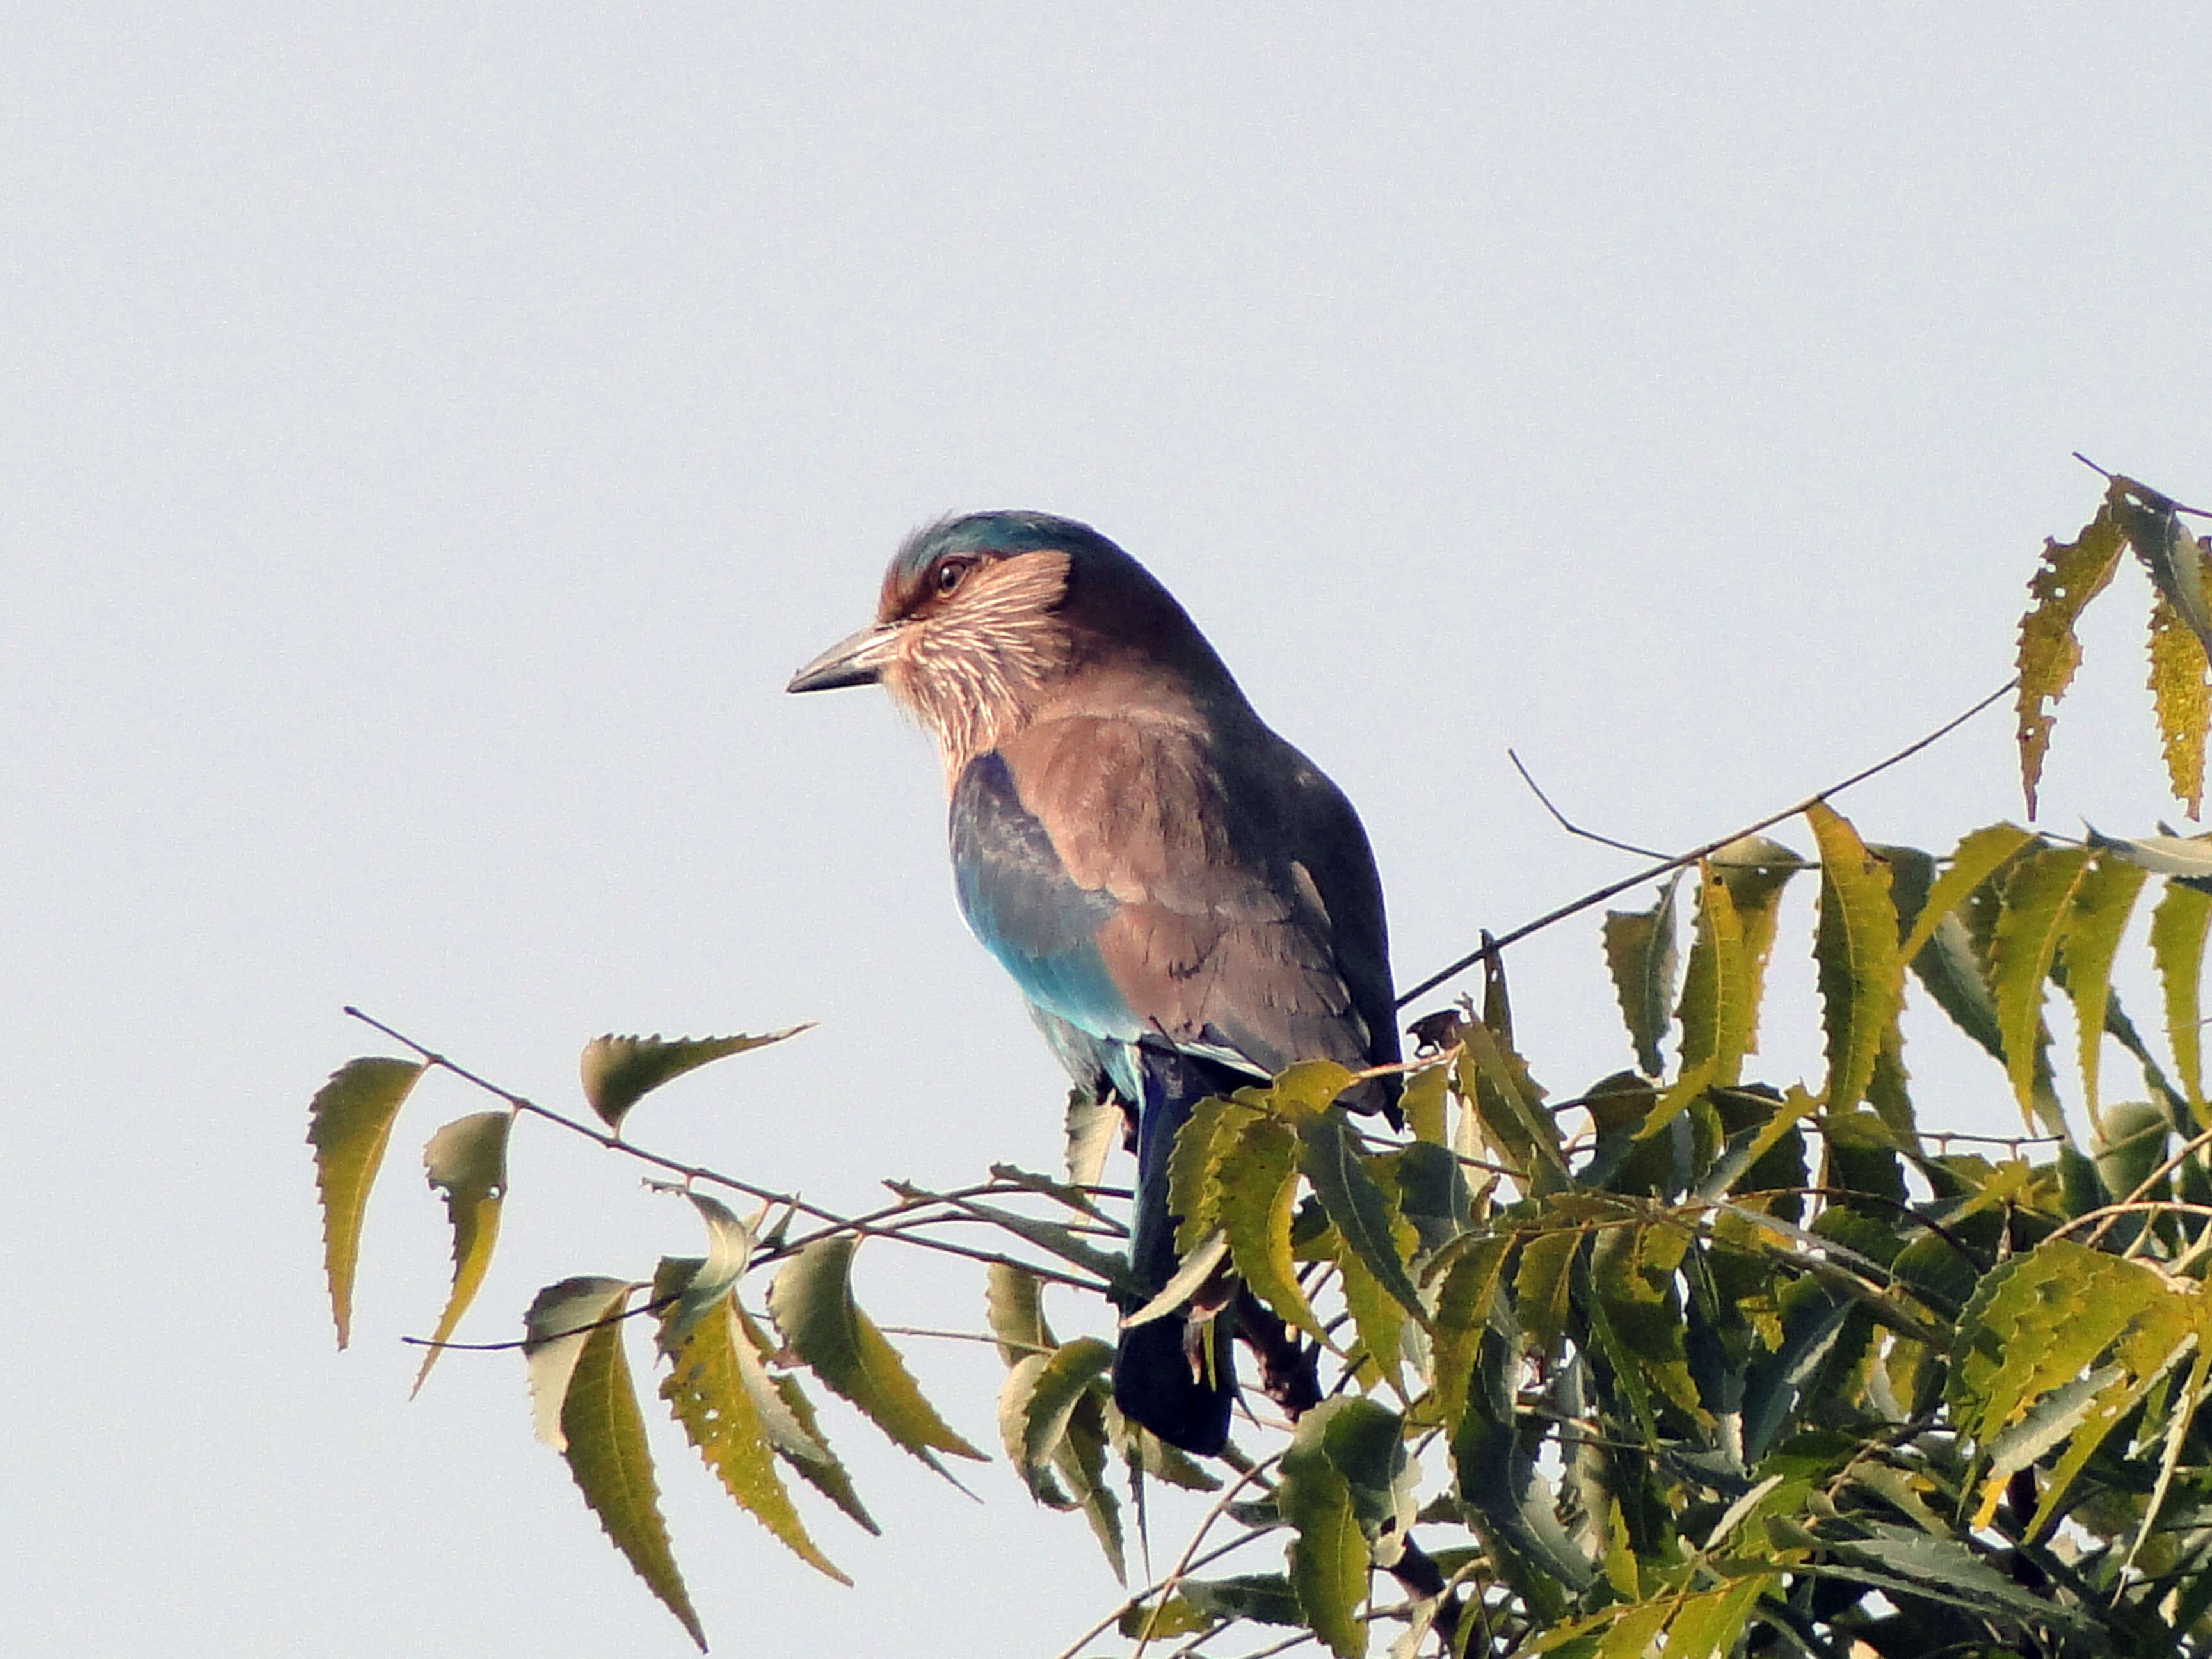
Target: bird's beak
<point x="856" y="661"/>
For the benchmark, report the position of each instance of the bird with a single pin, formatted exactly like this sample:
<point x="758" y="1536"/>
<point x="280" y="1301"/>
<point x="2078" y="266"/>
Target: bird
<point x="1187" y="904"/>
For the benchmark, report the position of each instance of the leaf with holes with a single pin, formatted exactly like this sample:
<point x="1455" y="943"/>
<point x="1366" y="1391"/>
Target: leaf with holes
<point x="720" y="1412"/>
<point x="2072" y="573"/>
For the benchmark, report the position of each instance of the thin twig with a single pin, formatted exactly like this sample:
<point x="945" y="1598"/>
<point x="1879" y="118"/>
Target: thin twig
<point x="1568" y="824"/>
<point x="2144" y="1187"/>
<point x="838" y="1224"/>
<point x="1136" y="1599"/>
<point x="1695" y="853"/>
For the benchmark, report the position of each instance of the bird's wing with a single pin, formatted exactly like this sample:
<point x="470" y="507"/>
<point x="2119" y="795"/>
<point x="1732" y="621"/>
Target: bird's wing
<point x="1105" y="863"/>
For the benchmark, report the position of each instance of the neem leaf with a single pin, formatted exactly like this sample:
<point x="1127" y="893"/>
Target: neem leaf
<point x="605" y="1445"/>
<point x="812" y="1302"/>
<point x="617" y="1071"/>
<point x="1717" y="1013"/>
<point x="2039" y="898"/>
<point x="729" y="1252"/>
<point x="792" y="1427"/>
<point x="2071" y="575"/>
<point x="1363" y="1212"/>
<point x="1036" y="1404"/>
<point x="1197" y="1267"/>
<point x="2103" y="901"/>
<point x="1256" y="1175"/>
<point x="348" y="1124"/>
<point x="1972" y="861"/>
<point x="1855" y="947"/>
<point x="720" y="1414"/>
<point x="467" y="1158"/>
<point x="2186" y="856"/>
<point x="1640" y="951"/>
<point x="1013" y="1307"/>
<point x="2177" y="929"/>
<point x="560" y="1318"/>
<point x="1328" y="1551"/>
<point x="1756" y="869"/>
<point x="1081" y="1460"/>
<point x="2180" y="700"/>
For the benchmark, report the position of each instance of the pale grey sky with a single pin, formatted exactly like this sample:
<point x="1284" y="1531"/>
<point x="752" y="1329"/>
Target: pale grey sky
<point x="433" y="434"/>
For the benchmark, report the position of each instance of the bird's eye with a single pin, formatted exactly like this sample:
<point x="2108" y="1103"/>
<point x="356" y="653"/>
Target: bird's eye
<point x="949" y="574"/>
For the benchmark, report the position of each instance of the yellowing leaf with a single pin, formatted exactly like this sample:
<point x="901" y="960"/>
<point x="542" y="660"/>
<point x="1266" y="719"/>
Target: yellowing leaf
<point x="1640" y="951"/>
<point x="1465" y="1275"/>
<point x="2103" y="900"/>
<point x="1977" y="857"/>
<point x="2177" y="929"/>
<point x="1855" y="948"/>
<point x="792" y="1427"/>
<point x="2039" y="898"/>
<point x="720" y="1415"/>
<point x="2181" y="700"/>
<point x="605" y="1448"/>
<point x="1013" y="1307"/>
<point x="1718" y="1012"/>
<point x="617" y="1071"/>
<point x="348" y="1125"/>
<point x="812" y="1302"/>
<point x="1756" y="870"/>
<point x="560" y="1317"/>
<point x="2071" y="575"/>
<point x="467" y="1159"/>
<point x="1423" y="1104"/>
<point x="1254" y="1183"/>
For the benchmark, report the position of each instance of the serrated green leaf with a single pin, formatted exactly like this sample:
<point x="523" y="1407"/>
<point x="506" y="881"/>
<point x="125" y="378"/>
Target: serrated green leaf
<point x="1855" y="947"/>
<point x="559" y="1320"/>
<point x="2104" y="899"/>
<point x="2072" y="573"/>
<point x="2181" y="702"/>
<point x="467" y="1161"/>
<point x="1377" y="1314"/>
<point x="811" y="1300"/>
<point x="1199" y="1604"/>
<point x="793" y="1429"/>
<point x="1466" y="1273"/>
<point x="1540" y="1290"/>
<point x="1717" y="1013"/>
<point x="604" y="1444"/>
<point x="1950" y="1565"/>
<point x="729" y="1253"/>
<point x="1081" y="1460"/>
<point x="1423" y="1104"/>
<point x="2178" y="931"/>
<point x="1191" y="1163"/>
<point x="1756" y="870"/>
<point x="1640" y="952"/>
<point x="1632" y="1270"/>
<point x="1013" y="1307"/>
<point x="1036" y="1404"/>
<point x="1708" y="1626"/>
<point x="1255" y="1180"/>
<point x="2038" y="899"/>
<point x="1975" y="858"/>
<point x="1509" y="1105"/>
<point x="617" y="1071"/>
<point x="349" y="1124"/>
<point x="1328" y="1550"/>
<point x="721" y="1416"/>
<point x="1363" y="1212"/>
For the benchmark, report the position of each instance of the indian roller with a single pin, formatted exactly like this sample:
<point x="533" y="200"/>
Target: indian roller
<point x="1187" y="904"/>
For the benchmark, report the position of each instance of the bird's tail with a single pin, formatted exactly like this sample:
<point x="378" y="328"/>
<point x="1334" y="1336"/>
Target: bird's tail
<point x="1174" y="1375"/>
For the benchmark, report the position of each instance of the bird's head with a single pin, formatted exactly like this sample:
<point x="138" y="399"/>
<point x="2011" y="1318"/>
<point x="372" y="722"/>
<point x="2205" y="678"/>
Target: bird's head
<point x="982" y="617"/>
